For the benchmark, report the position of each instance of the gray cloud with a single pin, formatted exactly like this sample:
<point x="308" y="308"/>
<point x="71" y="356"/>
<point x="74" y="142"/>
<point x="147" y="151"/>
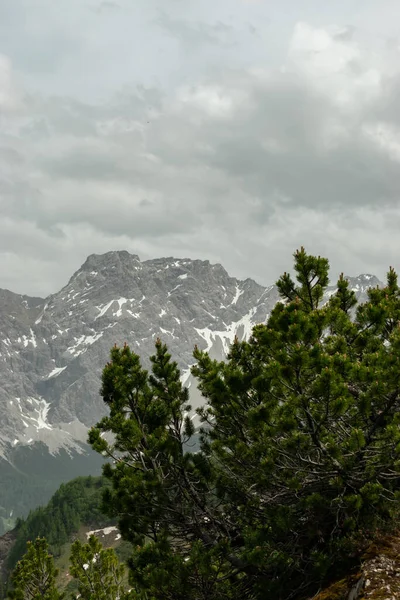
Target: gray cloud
<point x="106" y="6"/>
<point x="238" y="163"/>
<point x="193" y="34"/>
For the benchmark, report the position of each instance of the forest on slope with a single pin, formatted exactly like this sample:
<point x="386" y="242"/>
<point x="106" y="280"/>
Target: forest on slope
<point x="34" y="475"/>
<point x="75" y="504"/>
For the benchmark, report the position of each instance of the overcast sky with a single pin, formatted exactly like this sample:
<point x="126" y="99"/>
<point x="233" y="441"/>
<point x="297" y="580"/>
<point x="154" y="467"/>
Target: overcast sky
<point x="228" y="130"/>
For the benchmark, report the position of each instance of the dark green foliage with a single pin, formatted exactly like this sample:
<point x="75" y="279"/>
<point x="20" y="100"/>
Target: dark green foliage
<point x="75" y="503"/>
<point x="97" y="574"/>
<point x="300" y="457"/>
<point x="161" y="494"/>
<point x="34" y="577"/>
<point x="312" y="278"/>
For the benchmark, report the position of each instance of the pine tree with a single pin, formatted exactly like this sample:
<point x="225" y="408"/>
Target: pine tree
<point x="34" y="577"/>
<point x="300" y="457"/>
<point x="161" y="494"/>
<point x="100" y="575"/>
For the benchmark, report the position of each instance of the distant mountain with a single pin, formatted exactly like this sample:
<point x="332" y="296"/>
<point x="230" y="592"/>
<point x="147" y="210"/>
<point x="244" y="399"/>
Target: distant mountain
<point x="52" y="351"/>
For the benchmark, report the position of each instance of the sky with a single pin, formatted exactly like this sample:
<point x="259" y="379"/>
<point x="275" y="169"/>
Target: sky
<point x="233" y="131"/>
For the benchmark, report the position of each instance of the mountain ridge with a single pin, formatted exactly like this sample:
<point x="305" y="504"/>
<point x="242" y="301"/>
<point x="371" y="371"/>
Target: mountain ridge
<point x="52" y="350"/>
<point x="115" y="297"/>
<point x="115" y="291"/>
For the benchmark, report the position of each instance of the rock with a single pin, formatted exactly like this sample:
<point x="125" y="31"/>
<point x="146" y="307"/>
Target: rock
<point x="378" y="577"/>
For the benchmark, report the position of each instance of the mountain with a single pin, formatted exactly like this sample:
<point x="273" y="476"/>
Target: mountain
<point x="52" y="352"/>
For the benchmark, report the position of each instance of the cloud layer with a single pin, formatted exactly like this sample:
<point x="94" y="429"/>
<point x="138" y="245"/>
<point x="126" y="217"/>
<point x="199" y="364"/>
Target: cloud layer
<point x="239" y="162"/>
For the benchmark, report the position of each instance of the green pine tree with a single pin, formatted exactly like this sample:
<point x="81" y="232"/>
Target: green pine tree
<point x="34" y="577"/>
<point x="161" y="494"/>
<point x="300" y="458"/>
<point x="100" y="575"/>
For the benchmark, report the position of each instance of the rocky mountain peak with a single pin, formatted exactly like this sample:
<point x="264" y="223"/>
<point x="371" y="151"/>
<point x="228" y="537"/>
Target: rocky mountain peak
<point x="52" y="357"/>
<point x="111" y="259"/>
<point x="114" y="265"/>
<point x="364" y="281"/>
<point x="52" y="351"/>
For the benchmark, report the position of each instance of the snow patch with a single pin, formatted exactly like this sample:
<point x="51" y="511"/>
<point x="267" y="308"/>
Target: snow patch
<point x="56" y="372"/>
<point x="85" y="341"/>
<point x="103" y="309"/>
<point x="121" y="302"/>
<point x="184" y="276"/>
<point x="105" y="531"/>
<point x="38" y="420"/>
<point x="185" y="375"/>
<point x="118" y="313"/>
<point x="175" y="288"/>
<point x="243" y="327"/>
<point x="171" y="333"/>
<point x="238" y="293"/>
<point x="31" y="340"/>
<point x="39" y="319"/>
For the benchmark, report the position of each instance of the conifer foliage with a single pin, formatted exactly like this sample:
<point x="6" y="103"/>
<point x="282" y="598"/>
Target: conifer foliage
<point x="300" y="456"/>
<point x="299" y="464"/>
<point x="34" y="577"/>
<point x="98" y="571"/>
<point x="300" y="459"/>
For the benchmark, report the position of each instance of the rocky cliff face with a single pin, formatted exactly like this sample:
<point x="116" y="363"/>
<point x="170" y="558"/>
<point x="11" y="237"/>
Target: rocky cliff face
<point x="52" y="350"/>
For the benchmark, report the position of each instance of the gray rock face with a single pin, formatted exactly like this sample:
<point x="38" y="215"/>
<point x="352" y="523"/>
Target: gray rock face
<point x="52" y="351"/>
